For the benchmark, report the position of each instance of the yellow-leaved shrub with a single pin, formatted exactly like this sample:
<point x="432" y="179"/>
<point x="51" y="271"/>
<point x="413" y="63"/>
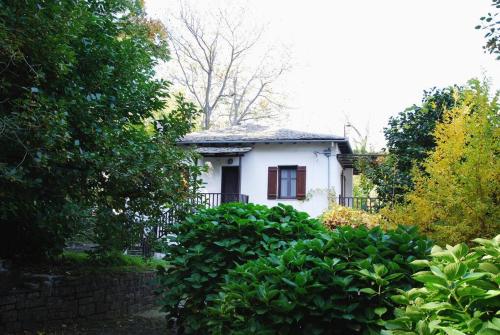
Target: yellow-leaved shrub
<point x="456" y="195"/>
<point x="344" y="216"/>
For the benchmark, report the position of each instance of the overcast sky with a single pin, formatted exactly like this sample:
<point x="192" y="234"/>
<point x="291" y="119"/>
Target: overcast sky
<point x="367" y="59"/>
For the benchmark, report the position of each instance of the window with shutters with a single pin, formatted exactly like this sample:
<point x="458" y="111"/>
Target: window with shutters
<point x="287" y="182"/>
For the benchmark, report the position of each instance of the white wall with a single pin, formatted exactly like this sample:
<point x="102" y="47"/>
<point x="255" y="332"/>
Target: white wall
<point x="255" y="166"/>
<point x="348" y="173"/>
<point x="337" y="170"/>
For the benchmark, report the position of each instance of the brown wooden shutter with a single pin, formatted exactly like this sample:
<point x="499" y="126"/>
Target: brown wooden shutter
<point x="272" y="182"/>
<point x="301" y="182"/>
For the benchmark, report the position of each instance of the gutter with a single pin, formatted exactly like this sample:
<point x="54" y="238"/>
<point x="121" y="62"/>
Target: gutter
<point x="342" y="140"/>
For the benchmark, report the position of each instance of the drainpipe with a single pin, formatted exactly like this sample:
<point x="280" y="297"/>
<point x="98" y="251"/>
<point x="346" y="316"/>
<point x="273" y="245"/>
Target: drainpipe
<point x="342" y="184"/>
<point x="328" y="154"/>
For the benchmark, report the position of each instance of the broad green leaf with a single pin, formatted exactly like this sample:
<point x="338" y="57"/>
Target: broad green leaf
<point x="399" y="299"/>
<point x="471" y="277"/>
<point x="380" y="311"/>
<point x="427" y="277"/>
<point x="423" y="328"/>
<point x="436" y="249"/>
<point x="434" y="324"/>
<point x="380" y="269"/>
<point x="488" y="331"/>
<point x="434" y="305"/>
<point x="470" y="291"/>
<point x="454" y="270"/>
<point x="496" y="321"/>
<point x="437" y="271"/>
<point x="491" y="294"/>
<point x="368" y="290"/>
<point x="289" y="282"/>
<point x="371" y="250"/>
<point x="451" y="331"/>
<point x="420" y="263"/>
<point x="394" y="276"/>
<point x="488" y="267"/>
<point x="482" y="241"/>
<point x="460" y="250"/>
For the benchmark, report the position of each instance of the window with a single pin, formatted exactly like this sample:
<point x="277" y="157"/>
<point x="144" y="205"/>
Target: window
<point x="288" y="182"/>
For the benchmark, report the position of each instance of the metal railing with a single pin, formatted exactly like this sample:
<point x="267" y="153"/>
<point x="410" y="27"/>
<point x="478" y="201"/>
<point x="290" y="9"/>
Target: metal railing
<point x="366" y="204"/>
<point x="215" y="199"/>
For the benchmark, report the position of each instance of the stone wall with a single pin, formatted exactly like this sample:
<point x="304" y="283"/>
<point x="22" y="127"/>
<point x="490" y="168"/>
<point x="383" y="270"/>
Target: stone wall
<point x="45" y="301"/>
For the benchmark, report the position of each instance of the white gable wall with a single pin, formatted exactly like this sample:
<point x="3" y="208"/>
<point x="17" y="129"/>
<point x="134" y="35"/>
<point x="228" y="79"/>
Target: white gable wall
<point x="254" y="173"/>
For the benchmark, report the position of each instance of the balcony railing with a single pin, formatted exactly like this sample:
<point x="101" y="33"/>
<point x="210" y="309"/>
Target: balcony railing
<point x="366" y="204"/>
<point x="215" y="199"/>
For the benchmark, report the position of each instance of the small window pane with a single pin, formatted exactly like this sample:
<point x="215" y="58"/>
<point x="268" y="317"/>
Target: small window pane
<point x="283" y="189"/>
<point x="293" y="173"/>
<point x="293" y="188"/>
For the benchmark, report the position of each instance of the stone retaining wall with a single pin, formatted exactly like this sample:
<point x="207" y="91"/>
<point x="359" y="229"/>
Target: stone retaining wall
<point x="45" y="301"/>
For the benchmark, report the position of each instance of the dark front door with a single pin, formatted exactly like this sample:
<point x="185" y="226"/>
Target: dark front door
<point x="230" y="187"/>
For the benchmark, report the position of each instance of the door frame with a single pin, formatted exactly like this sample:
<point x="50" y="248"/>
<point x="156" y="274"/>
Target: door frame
<point x="238" y="174"/>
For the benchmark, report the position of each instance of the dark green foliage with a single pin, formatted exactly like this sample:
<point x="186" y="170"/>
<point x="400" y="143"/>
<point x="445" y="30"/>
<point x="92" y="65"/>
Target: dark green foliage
<point x="490" y="23"/>
<point x="212" y="242"/>
<point x="460" y="293"/>
<point x="409" y="138"/>
<point x="81" y="151"/>
<point x="337" y="283"/>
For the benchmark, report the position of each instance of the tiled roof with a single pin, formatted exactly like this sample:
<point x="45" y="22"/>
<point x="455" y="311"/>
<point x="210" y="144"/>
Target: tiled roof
<point x="253" y="133"/>
<point x="222" y="150"/>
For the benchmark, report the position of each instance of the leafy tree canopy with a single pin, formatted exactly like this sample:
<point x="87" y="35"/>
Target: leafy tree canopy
<point x="409" y="138"/>
<point x="490" y="23"/>
<point x="82" y="151"/>
<point x="456" y="191"/>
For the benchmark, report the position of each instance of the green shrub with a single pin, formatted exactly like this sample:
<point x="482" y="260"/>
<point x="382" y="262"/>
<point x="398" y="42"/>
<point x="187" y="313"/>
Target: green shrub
<point x="337" y="283"/>
<point x="338" y="216"/>
<point x="84" y="148"/>
<point x="459" y="296"/>
<point x="215" y="240"/>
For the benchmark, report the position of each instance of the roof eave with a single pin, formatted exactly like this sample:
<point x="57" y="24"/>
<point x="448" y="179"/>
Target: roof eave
<point x="253" y="141"/>
<point x="347" y="149"/>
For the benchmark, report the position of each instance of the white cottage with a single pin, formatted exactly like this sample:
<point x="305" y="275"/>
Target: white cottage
<point x="268" y="165"/>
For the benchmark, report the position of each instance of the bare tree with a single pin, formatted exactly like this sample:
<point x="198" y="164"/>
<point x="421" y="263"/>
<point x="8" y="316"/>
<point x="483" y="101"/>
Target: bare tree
<point x="252" y="96"/>
<point x="216" y="54"/>
<point x="361" y="138"/>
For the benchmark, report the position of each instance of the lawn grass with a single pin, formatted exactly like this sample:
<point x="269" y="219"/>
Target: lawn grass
<point x="84" y="262"/>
